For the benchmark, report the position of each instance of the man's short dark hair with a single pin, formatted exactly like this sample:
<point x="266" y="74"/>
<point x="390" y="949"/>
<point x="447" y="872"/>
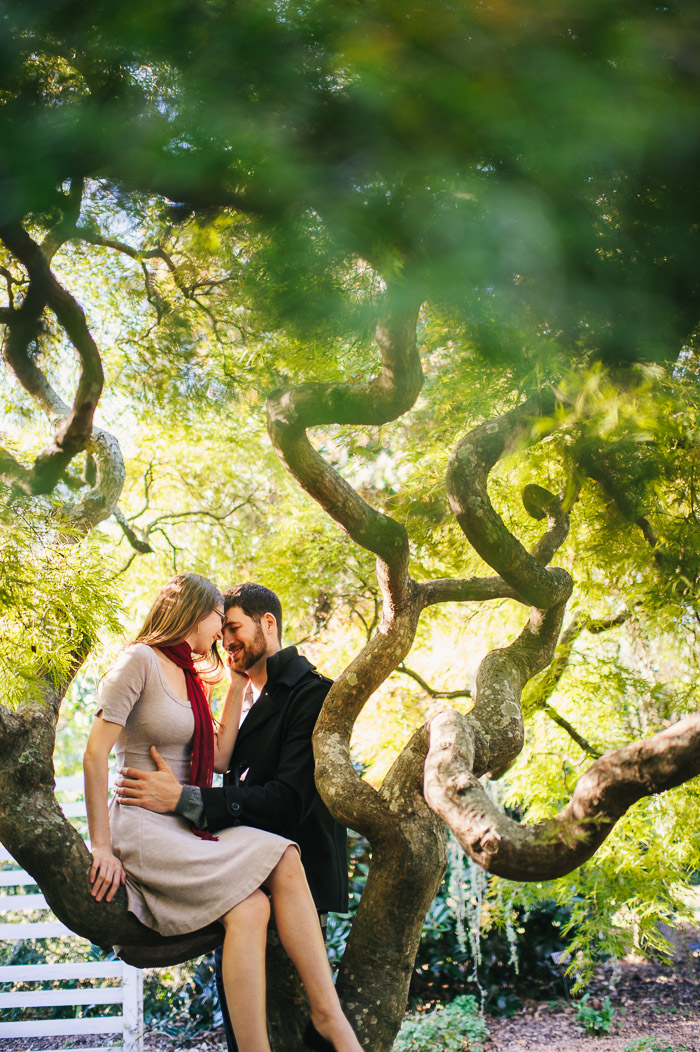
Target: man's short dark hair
<point x="255" y="600"/>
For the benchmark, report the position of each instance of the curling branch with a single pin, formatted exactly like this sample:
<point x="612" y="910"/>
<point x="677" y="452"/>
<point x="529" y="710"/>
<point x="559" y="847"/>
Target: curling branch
<point x="387" y="396"/>
<point x="431" y="691"/>
<point x="74" y="426"/>
<point x="467" y="487"/>
<point x="552" y="848"/>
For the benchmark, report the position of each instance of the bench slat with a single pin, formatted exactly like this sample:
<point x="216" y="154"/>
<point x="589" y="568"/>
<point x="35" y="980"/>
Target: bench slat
<point x="126" y="1030"/>
<point x="82" y="1048"/>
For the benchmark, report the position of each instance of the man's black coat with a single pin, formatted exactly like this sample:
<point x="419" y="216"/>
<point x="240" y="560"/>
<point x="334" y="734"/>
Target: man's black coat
<point x="270" y="781"/>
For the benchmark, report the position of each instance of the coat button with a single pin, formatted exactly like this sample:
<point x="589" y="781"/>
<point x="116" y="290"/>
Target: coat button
<point x="235" y="808"/>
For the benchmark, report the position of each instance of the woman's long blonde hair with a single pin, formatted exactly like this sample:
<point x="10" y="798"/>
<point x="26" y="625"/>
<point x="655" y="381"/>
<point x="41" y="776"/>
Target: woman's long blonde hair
<point x="180" y="605"/>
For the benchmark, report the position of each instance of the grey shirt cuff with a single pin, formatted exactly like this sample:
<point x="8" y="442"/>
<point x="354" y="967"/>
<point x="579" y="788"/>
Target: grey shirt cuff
<point x="190" y="806"/>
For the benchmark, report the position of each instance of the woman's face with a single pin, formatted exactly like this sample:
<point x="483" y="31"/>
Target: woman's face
<point x="207" y="631"/>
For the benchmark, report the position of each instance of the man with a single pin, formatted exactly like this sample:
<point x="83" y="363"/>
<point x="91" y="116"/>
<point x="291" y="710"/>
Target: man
<point x="270" y="780"/>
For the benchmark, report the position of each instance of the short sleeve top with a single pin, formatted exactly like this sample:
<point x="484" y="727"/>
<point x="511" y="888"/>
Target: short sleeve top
<point x="134" y="694"/>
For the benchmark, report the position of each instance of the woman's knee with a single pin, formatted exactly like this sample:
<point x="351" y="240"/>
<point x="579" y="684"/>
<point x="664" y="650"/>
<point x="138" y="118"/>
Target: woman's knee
<point x="253" y="911"/>
<point x="289" y="867"/>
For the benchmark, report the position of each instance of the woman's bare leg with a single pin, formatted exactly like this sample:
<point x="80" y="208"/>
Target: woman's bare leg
<point x="300" y="934"/>
<point x="243" y="970"/>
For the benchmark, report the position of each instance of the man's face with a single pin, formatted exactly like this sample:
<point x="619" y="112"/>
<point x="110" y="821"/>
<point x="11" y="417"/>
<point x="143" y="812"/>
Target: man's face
<point x="243" y="638"/>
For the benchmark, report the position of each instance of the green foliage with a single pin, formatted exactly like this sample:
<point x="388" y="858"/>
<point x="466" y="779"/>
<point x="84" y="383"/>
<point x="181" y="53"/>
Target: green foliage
<point x="543" y="185"/>
<point x="455" y="1027"/>
<point x="530" y="175"/>
<point x="508" y="951"/>
<point x="56" y="601"/>
<point x="595" y="1020"/>
<point x="652" y="1044"/>
<point x="182" y="1001"/>
<point x="490" y="941"/>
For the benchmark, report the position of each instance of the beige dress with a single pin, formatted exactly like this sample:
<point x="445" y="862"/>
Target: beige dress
<point x="175" y="881"/>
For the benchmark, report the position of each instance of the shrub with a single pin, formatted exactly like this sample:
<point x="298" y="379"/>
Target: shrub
<point x="650" y="1044"/>
<point x="451" y="1028"/>
<point x="595" y="1020"/>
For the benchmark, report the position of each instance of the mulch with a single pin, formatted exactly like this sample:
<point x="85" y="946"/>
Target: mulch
<point x="657" y="1009"/>
<point x="655" y="1005"/>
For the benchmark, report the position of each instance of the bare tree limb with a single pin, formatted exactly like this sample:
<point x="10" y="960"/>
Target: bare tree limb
<point x="540" y="691"/>
<point x="562" y="722"/>
<point x="74" y="428"/>
<point x="468" y="589"/>
<point x="71" y="204"/>
<point x="394" y="390"/>
<point x="140" y="546"/>
<point x="13" y="473"/>
<point x="552" y="848"/>
<point x="99" y="502"/>
<point x="496" y="717"/>
<point x="539" y="504"/>
<point x="349" y="797"/>
<point x="467" y="487"/>
<point x="431" y="691"/>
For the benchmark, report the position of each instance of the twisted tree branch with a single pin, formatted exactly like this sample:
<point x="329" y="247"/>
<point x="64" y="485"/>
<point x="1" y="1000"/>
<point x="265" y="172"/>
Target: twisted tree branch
<point x="431" y="691"/>
<point x="469" y="589"/>
<point x="74" y="425"/>
<point x="467" y="487"/>
<point x="393" y="391"/>
<point x="555" y="847"/>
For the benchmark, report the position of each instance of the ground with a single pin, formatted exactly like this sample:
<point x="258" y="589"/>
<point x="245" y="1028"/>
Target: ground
<point x="656" y="1009"/>
<point x="656" y="1004"/>
<point x="652" y="1002"/>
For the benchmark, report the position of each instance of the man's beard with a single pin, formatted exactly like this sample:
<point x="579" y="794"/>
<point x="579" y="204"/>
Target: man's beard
<point x="251" y="652"/>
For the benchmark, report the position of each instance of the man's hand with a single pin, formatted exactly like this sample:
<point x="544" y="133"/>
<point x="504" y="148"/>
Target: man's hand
<point x="155" y="790"/>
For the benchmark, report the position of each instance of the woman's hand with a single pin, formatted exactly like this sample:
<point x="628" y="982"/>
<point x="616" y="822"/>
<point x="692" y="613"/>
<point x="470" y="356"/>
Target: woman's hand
<point x="106" y="874"/>
<point x="237" y="680"/>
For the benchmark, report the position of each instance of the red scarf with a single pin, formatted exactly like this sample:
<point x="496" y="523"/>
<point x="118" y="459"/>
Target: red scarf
<point x="202" y="769"/>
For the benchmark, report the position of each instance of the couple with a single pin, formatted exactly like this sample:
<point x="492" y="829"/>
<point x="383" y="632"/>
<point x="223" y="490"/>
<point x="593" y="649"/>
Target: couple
<point x="183" y="856"/>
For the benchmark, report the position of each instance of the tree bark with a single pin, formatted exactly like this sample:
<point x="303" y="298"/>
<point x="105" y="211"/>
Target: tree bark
<point x="550" y="849"/>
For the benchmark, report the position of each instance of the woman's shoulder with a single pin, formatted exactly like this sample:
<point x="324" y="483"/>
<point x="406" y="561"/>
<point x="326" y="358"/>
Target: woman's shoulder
<point x="140" y="650"/>
<point x="136" y="658"/>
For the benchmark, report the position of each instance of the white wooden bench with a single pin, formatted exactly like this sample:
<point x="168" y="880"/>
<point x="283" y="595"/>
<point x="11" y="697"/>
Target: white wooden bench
<point x="111" y="982"/>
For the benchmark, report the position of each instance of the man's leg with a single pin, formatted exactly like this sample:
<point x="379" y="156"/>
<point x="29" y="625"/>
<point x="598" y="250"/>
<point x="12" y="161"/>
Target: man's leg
<point x="228" y="1029"/>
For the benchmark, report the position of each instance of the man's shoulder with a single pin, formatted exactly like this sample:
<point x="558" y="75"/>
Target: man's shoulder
<point x="312" y="671"/>
<point x="309" y="683"/>
<point x="291" y="670"/>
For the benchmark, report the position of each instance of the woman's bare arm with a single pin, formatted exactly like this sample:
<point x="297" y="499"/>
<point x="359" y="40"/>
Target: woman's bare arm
<point x="227" y="730"/>
<point x="106" y="872"/>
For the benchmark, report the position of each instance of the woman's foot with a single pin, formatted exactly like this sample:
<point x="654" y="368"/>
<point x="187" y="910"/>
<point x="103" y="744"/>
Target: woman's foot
<point x="331" y="1034"/>
<point x="314" y="1041"/>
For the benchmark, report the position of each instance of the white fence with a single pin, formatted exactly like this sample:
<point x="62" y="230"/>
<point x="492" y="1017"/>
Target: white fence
<point x="93" y="984"/>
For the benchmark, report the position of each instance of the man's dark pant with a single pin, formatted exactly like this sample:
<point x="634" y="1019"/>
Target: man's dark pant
<point x="228" y="1029"/>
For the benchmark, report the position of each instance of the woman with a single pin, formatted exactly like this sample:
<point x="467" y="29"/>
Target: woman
<point x="179" y="878"/>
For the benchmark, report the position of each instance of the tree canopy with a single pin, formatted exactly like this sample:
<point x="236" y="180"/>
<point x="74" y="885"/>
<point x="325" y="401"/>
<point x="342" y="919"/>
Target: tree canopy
<point x="441" y="262"/>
